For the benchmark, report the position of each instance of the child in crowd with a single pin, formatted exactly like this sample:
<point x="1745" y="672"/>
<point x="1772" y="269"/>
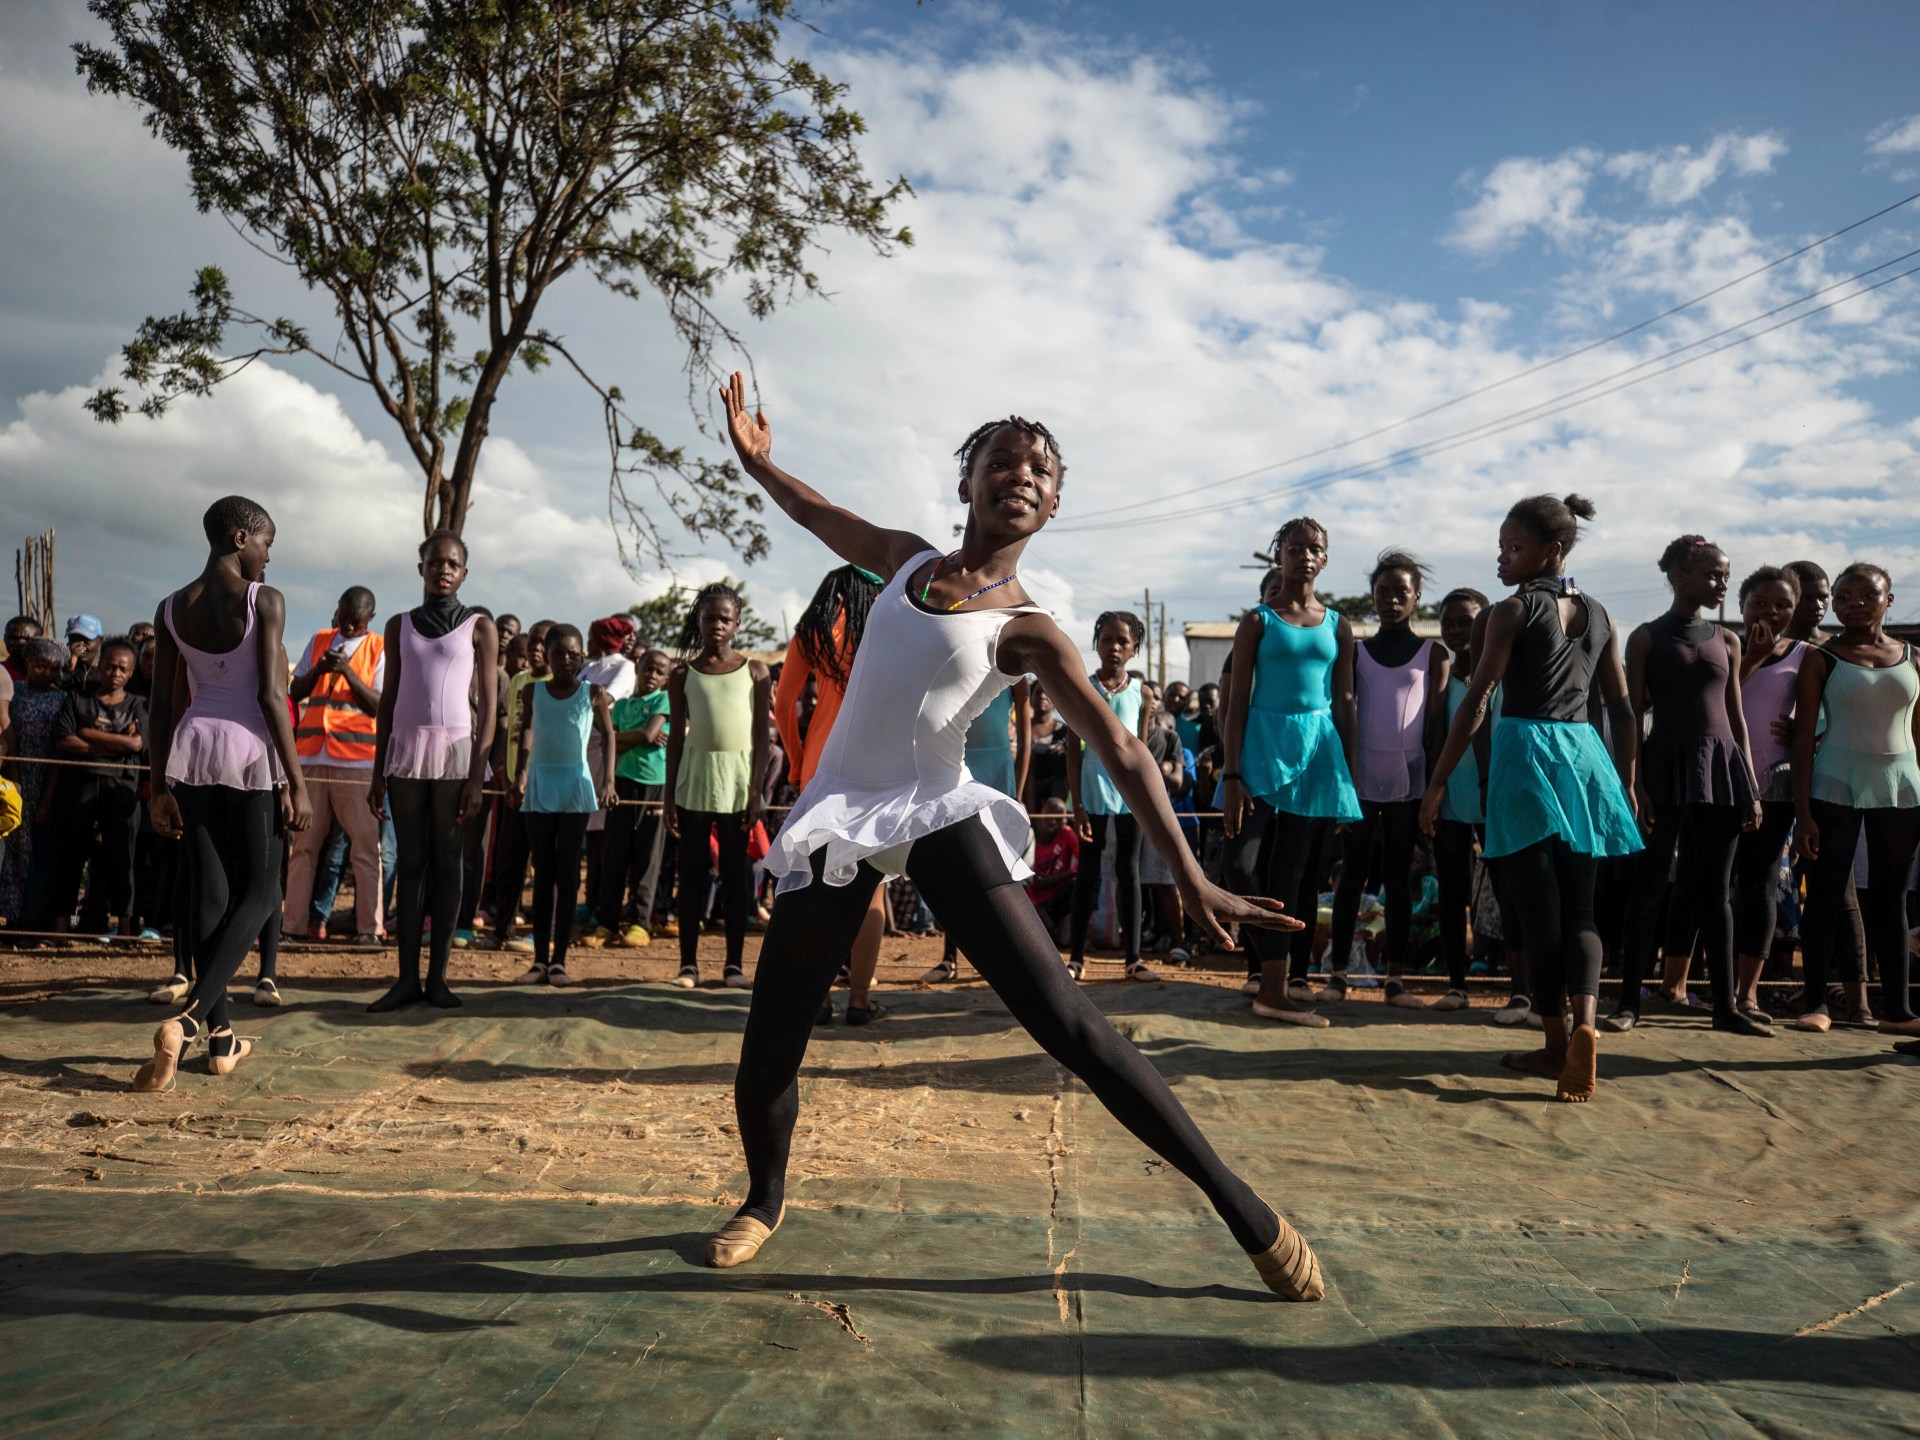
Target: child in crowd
<point x="1056" y="857"/>
<point x="510" y="863"/>
<point x="431" y="760"/>
<point x="1099" y="809"/>
<point x="717" y="739"/>
<point x="1400" y="696"/>
<point x="98" y="818"/>
<point x="636" y="827"/>
<point x="556" y="792"/>
<point x="27" y="869"/>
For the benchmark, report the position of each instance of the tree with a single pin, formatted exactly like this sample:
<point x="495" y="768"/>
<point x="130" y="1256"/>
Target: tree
<point x="658" y="620"/>
<point x="435" y="167"/>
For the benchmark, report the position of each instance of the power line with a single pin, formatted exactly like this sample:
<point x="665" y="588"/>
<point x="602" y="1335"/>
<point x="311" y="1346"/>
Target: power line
<point x="1535" y="369"/>
<point x="1544" y="410"/>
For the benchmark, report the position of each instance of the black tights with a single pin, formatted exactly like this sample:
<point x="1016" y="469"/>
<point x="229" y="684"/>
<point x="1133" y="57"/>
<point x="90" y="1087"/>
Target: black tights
<point x="1126" y="884"/>
<point x="555" y="842"/>
<point x="1705" y="837"/>
<point x="233" y="848"/>
<point x="1397" y="823"/>
<point x="696" y="880"/>
<point x="1893" y="836"/>
<point x="1453" y="867"/>
<point x="1756" y="887"/>
<point x="1277" y="854"/>
<point x="962" y="876"/>
<point x="430" y="841"/>
<point x="1552" y="889"/>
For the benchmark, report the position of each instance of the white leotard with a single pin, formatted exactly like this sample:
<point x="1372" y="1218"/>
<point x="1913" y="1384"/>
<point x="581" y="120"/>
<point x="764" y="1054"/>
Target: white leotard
<point x="895" y="767"/>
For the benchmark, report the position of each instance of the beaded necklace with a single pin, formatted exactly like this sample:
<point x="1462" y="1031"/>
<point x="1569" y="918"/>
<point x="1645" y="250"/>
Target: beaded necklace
<point x="939" y="565"/>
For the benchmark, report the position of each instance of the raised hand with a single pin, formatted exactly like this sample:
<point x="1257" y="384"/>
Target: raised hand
<point x="751" y="435"/>
<point x="1760" y="641"/>
<point x="1216" y="909"/>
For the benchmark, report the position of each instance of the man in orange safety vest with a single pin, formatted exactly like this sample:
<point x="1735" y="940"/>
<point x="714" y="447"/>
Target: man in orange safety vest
<point x="338" y="682"/>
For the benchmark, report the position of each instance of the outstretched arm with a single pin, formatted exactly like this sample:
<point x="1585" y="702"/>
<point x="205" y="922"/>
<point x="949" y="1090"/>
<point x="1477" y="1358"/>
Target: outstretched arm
<point x="846" y="534"/>
<point x="1033" y="644"/>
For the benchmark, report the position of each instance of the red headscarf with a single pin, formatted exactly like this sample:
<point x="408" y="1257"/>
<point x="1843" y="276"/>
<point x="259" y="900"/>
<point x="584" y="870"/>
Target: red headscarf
<point x="609" y="634"/>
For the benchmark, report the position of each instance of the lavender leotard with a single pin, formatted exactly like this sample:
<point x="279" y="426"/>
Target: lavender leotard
<point x="221" y="738"/>
<point x="1767" y="695"/>
<point x="432" y="735"/>
<point x="1392" y="703"/>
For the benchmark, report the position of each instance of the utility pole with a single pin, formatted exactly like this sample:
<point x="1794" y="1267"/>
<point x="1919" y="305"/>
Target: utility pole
<point x="1163" y="647"/>
<point x="1146" y="616"/>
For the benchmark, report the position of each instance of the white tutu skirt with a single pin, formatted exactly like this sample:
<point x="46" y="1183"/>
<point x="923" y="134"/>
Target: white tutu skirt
<point x="880" y="826"/>
<point x="210" y="750"/>
<point x="429" y="752"/>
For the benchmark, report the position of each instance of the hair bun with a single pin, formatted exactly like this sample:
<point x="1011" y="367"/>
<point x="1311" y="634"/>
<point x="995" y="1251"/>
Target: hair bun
<point x="1580" y="506"/>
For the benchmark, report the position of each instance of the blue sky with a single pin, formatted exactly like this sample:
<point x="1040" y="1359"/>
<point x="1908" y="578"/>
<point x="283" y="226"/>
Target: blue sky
<point x="1193" y="239"/>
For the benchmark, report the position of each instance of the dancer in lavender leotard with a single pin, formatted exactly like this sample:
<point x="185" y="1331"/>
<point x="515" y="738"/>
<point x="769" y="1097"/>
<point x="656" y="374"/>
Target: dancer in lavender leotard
<point x="224" y="772"/>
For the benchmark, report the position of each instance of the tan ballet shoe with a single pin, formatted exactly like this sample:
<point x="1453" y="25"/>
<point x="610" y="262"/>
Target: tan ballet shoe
<point x="1817" y="1021"/>
<point x="1289" y="1266"/>
<point x="229" y="1062"/>
<point x="739" y="1240"/>
<point x="1291" y="1015"/>
<point x="169" y="1043"/>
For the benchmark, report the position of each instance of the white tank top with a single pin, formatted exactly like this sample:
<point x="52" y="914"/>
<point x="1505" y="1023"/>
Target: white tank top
<point x="895" y="767"/>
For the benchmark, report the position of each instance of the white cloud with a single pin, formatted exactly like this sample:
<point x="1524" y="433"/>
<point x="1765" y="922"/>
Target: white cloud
<point x="1896" y="137"/>
<point x="1084" y="258"/>
<point x="1677" y="174"/>
<point x="1550" y="194"/>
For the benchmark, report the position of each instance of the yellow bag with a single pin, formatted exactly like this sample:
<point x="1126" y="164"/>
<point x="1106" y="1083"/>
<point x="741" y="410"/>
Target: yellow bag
<point x="9" y="807"/>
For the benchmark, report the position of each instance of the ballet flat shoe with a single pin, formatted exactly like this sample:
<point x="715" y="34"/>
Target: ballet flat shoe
<point x="225" y="1063"/>
<point x="1817" y="1021"/>
<point x="169" y="1043"/>
<point x="740" y="1239"/>
<point x="1289" y="1266"/>
<point x="1288" y="1015"/>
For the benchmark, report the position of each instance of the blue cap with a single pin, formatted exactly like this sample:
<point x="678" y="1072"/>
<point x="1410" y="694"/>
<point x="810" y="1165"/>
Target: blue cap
<point x="87" y="627"/>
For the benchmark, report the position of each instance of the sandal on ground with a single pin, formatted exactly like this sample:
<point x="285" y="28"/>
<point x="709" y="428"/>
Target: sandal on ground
<point x="1755" y="1013"/>
<point x="266" y="993"/>
<point x="171" y="993"/>
<point x="1907" y="1047"/>
<point x="1452" y="1000"/>
<point x="1291" y="1015"/>
<point x="1398" y="995"/>
<point x="1620" y="1022"/>
<point x="170" y="1042"/>
<point x="824" y="1015"/>
<point x="740" y="1239"/>
<point x="941" y="974"/>
<point x="1289" y="1266"/>
<point x="1514" y="1012"/>
<point x="225" y="1051"/>
<point x="865" y="1014"/>
<point x="1140" y="970"/>
<point x="688" y="978"/>
<point x="736" y="979"/>
<point x="557" y="975"/>
<point x="534" y="974"/>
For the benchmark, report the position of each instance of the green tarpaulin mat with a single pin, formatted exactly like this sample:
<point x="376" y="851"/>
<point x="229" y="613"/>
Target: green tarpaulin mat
<point x="490" y="1221"/>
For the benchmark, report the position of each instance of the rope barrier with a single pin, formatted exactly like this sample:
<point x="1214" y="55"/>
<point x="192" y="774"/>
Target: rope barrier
<point x="489" y="790"/>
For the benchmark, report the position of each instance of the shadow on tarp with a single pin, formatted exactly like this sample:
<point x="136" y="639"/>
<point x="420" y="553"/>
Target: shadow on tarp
<point x="185" y="1286"/>
<point x="1472" y="1357"/>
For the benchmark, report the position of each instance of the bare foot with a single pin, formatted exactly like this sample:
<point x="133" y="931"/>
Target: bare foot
<point x="1543" y="1063"/>
<point x="1581" y="1075"/>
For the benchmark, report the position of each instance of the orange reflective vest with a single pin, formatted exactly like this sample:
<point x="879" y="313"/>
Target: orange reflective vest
<point x="333" y="728"/>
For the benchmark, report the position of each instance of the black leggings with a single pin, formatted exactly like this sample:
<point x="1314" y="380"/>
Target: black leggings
<point x="1893" y="836"/>
<point x="98" y="822"/>
<point x="509" y="870"/>
<point x="234" y="846"/>
<point x="1453" y="867"/>
<point x="430" y="840"/>
<point x="555" y="842"/>
<point x="1552" y="889"/>
<point x="963" y="877"/>
<point x="697" y="827"/>
<point x="1756" y="884"/>
<point x="1705" y="837"/>
<point x="1126" y="884"/>
<point x="1397" y="823"/>
<point x="1277" y="854"/>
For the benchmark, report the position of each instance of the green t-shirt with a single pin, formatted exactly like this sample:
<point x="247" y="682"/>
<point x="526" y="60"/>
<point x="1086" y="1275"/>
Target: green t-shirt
<point x="642" y="764"/>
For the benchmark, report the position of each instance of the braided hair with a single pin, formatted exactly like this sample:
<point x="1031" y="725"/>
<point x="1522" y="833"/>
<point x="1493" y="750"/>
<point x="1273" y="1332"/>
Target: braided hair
<point x="1296" y="523"/>
<point x="1032" y="429"/>
<point x="847" y="591"/>
<point x="690" y="627"/>
<point x="1126" y="620"/>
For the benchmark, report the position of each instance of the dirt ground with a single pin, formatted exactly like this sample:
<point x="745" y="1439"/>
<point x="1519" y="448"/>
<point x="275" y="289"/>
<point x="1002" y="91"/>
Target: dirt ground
<point x="491" y="1220"/>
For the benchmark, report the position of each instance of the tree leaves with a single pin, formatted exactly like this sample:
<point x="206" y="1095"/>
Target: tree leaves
<point x="434" y="167"/>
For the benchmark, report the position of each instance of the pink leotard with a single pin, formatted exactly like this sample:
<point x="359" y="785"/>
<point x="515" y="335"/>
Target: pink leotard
<point x="432" y="735"/>
<point x="1392" y="705"/>
<point x="1767" y="695"/>
<point x="221" y="738"/>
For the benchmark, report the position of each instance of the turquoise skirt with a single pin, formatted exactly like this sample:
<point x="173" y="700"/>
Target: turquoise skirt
<point x="1294" y="761"/>
<point x="1552" y="779"/>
